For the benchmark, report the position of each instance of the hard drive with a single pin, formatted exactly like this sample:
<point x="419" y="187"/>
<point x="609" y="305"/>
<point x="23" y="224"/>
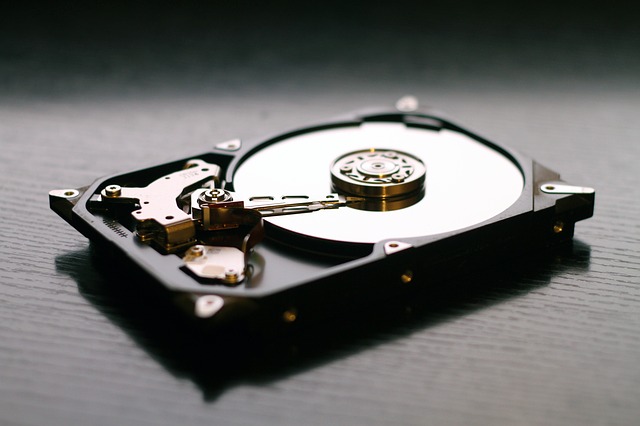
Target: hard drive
<point x="337" y="214"/>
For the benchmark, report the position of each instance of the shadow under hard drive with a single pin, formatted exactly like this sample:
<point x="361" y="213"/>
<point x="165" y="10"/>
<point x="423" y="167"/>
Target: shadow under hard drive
<point x="219" y="358"/>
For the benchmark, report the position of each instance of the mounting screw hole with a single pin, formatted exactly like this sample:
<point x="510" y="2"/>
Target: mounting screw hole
<point x="558" y="227"/>
<point x="290" y="315"/>
<point x="407" y="277"/>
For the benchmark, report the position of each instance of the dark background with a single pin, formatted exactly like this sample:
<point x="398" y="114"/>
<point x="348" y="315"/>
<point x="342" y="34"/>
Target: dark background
<point x="91" y="90"/>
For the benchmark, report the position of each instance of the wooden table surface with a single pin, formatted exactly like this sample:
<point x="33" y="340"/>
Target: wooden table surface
<point x="89" y="92"/>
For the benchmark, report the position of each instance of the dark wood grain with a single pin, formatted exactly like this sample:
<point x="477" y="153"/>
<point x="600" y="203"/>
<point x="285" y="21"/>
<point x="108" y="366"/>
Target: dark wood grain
<point x="547" y="340"/>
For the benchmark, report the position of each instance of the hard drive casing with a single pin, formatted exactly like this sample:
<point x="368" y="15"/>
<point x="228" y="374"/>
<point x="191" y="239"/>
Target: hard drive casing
<point x="287" y="284"/>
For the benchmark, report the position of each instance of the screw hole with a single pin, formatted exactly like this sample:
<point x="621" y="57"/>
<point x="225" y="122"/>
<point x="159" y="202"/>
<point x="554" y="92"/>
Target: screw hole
<point x="290" y="315"/>
<point x="558" y="227"/>
<point x="407" y="277"/>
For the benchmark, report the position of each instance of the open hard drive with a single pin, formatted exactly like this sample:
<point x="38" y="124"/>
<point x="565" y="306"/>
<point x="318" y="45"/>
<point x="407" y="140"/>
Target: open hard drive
<point x="335" y="213"/>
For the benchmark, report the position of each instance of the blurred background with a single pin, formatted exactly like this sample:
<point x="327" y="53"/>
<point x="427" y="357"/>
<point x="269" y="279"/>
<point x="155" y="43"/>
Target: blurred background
<point x="198" y="67"/>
